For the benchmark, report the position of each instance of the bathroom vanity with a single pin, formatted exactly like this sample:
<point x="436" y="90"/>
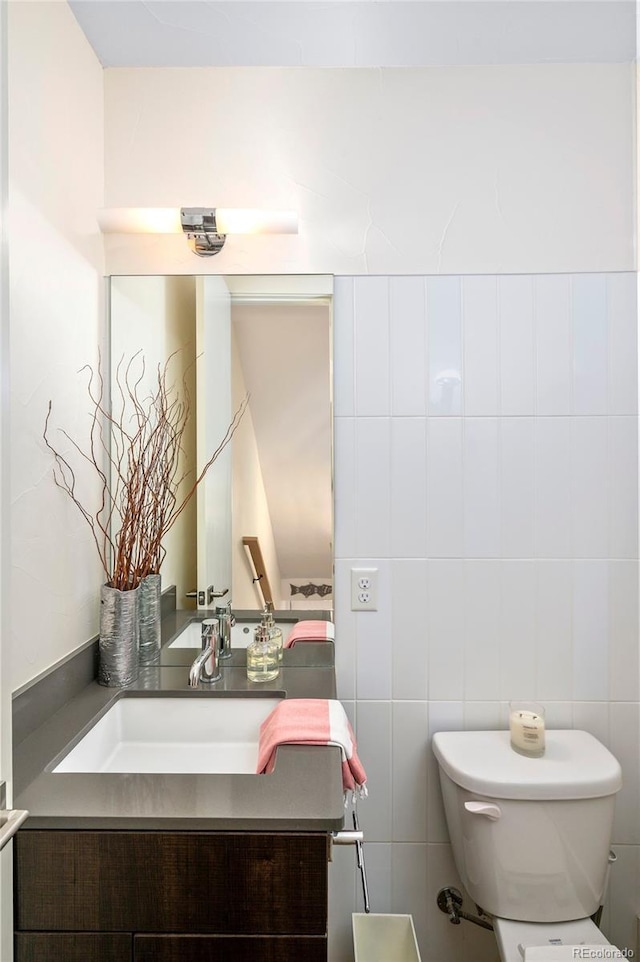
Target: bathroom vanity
<point x="191" y="866"/>
<point x="171" y="896"/>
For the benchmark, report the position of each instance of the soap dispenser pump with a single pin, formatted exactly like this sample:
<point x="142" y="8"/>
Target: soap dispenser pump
<point x="274" y="632"/>
<point x="262" y="656"/>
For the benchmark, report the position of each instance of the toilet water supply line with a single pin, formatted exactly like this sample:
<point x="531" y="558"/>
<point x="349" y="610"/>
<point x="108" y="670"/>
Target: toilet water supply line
<point x="449" y="901"/>
<point x="356" y="837"/>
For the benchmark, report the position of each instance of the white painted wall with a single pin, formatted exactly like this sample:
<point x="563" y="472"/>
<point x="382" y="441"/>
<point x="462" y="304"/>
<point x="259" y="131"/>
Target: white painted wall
<point x="56" y="302"/>
<point x="423" y="170"/>
<point x="157" y="317"/>
<point x="6" y="772"/>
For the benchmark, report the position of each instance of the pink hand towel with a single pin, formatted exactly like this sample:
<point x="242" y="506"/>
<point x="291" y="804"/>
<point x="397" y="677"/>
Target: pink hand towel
<point x="312" y="721"/>
<point x="311" y="631"/>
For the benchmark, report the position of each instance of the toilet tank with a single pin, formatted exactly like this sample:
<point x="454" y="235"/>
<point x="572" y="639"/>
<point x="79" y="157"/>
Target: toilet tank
<point x="530" y="836"/>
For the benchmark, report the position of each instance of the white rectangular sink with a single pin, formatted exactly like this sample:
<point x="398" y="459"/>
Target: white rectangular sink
<point x="241" y="634"/>
<point x="189" y="735"/>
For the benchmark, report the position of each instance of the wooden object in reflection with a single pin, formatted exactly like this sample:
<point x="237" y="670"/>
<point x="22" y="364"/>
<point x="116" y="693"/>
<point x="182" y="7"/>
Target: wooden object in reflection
<point x="261" y="576"/>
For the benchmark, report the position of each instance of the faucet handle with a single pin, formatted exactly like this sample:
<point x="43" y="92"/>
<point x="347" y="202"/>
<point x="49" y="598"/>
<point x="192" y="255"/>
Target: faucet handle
<point x="210" y="628"/>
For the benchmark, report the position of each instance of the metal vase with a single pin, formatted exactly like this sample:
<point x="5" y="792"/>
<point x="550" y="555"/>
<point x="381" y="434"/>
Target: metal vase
<point x="149" y="618"/>
<point x="118" y="665"/>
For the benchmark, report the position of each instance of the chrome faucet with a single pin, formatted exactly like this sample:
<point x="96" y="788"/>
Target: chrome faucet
<point x="206" y="668"/>
<point x="227" y="621"/>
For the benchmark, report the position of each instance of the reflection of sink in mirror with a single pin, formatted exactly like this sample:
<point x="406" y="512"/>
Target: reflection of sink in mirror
<point x="189" y="735"/>
<point x="241" y="634"/>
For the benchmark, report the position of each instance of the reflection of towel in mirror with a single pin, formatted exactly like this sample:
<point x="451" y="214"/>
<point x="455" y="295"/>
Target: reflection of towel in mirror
<point x="311" y="631"/>
<point x="312" y="721"/>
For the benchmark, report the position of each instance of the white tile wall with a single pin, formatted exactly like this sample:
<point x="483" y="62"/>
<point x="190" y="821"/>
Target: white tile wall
<point x="554" y="345"/>
<point x="444" y="345"/>
<point x="517" y="345"/>
<point x="481" y="488"/>
<point x="408" y="494"/>
<point x="590" y="355"/>
<point x="517" y="489"/>
<point x="445" y="504"/>
<point x="481" y="346"/>
<point x="486" y="462"/>
<point x="408" y="347"/>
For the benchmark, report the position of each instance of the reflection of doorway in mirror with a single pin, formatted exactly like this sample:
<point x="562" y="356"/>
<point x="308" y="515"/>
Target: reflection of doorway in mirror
<point x="282" y="452"/>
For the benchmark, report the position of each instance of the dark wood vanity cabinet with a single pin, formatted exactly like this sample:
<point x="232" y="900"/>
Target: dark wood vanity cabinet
<point x="206" y="948"/>
<point x="97" y="896"/>
<point x="73" y="947"/>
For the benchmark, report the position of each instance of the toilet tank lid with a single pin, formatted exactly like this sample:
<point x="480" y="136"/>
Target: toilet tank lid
<point x="574" y="765"/>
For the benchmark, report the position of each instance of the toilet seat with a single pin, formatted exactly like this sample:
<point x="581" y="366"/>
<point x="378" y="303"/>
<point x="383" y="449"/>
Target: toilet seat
<point x="513" y="937"/>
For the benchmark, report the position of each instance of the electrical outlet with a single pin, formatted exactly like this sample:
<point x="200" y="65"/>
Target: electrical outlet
<point x="364" y="589"/>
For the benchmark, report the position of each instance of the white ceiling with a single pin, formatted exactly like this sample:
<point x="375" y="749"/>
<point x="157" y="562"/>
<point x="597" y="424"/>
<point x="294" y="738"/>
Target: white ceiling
<point x="358" y="33"/>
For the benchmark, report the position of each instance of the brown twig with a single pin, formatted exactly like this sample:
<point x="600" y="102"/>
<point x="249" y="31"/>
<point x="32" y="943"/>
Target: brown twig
<point x="141" y="478"/>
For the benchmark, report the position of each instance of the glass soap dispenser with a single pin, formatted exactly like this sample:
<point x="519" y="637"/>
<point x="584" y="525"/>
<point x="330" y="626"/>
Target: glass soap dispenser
<point x="275" y="633"/>
<point x="263" y="663"/>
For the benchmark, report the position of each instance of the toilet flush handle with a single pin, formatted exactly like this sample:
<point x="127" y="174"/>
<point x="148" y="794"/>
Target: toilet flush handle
<point x="487" y="809"/>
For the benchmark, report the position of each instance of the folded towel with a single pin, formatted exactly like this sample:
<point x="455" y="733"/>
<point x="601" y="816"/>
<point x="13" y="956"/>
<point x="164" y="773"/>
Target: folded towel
<point x="311" y="631"/>
<point x="312" y="721"/>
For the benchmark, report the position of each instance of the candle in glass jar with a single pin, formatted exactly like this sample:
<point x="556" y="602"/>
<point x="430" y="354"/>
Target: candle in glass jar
<point x="526" y="725"/>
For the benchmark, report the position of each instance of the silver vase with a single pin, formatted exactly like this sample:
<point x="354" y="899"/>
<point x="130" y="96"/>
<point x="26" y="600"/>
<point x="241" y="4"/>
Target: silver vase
<point x="118" y="664"/>
<point x="149" y="618"/>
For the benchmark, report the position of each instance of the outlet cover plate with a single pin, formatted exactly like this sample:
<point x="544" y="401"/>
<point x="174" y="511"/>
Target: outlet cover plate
<point x="364" y="589"/>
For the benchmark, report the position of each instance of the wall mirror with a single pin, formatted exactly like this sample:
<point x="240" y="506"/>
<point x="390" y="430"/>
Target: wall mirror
<point x="268" y="337"/>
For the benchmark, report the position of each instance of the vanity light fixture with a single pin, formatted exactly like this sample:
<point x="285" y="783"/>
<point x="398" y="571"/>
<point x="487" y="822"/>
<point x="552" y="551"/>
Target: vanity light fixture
<point x="206" y="227"/>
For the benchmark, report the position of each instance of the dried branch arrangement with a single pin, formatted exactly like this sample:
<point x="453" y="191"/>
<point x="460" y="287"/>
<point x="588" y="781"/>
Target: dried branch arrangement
<point x="135" y="450"/>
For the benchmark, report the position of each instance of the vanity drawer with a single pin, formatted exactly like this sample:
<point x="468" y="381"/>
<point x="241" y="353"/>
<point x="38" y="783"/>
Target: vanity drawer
<point x="191" y="882"/>
<point x="73" y="947"/>
<point x="213" y="948"/>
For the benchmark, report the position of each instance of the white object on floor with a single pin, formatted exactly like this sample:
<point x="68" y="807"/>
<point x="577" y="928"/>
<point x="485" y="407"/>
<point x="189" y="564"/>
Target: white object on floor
<point x="384" y="938"/>
<point x="516" y="939"/>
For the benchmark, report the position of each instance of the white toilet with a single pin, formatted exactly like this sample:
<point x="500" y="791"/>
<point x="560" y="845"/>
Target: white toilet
<point x="531" y="836"/>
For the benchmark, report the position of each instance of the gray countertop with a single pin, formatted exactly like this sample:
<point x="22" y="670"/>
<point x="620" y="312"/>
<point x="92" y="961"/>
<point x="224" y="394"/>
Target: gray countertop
<point x="304" y="792"/>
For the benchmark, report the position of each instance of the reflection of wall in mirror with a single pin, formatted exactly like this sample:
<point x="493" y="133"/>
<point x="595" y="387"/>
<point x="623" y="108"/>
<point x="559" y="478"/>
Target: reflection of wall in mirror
<point x="214" y="414"/>
<point x="282" y="463"/>
<point x="300" y="594"/>
<point x="156" y="316"/>
<point x="250" y="513"/>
